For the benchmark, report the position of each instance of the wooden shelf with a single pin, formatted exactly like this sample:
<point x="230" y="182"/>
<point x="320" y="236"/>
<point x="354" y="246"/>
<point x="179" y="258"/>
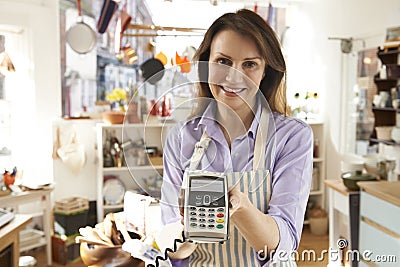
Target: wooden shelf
<point x="389" y="56"/>
<point x="385" y="109"/>
<point x="138" y="168"/>
<point x="385" y="84"/>
<point x="386" y="142"/>
<point x="316" y="192"/>
<point x="390" y="52"/>
<point x="113" y="207"/>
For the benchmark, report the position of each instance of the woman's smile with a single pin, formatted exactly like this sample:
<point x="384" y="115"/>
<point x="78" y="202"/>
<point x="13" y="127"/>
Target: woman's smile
<point x="232" y="91"/>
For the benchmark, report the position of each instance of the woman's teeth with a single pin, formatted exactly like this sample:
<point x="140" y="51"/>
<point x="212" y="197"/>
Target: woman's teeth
<point x="231" y="90"/>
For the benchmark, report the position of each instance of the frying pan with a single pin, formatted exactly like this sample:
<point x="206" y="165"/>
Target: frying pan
<point x="152" y="68"/>
<point x="81" y="37"/>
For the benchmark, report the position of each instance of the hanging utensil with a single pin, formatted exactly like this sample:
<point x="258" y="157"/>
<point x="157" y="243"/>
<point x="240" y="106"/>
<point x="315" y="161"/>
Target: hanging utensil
<point x="81" y="37"/>
<point x="107" y="11"/>
<point x="57" y="144"/>
<point x="152" y="70"/>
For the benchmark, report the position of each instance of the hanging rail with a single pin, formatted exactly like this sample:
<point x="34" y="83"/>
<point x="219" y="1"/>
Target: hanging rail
<point x="163" y="28"/>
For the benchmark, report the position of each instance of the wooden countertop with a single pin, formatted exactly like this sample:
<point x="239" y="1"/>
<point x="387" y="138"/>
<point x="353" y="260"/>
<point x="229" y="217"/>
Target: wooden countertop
<point x="337" y="184"/>
<point x="388" y="191"/>
<point x="19" y="221"/>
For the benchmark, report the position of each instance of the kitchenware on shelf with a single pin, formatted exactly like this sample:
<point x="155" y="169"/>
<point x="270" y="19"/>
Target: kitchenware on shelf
<point x="387" y="169"/>
<point x="396" y="134"/>
<point x="113" y="191"/>
<point x="81" y="37"/>
<point x="383" y="72"/>
<point x="350" y="179"/>
<point x="396" y="103"/>
<point x="376" y="100"/>
<point x="393" y="71"/>
<point x="371" y="163"/>
<point x="384" y="98"/>
<point x="384" y="132"/>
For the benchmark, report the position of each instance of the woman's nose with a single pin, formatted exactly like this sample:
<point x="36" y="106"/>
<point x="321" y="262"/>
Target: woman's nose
<point x="234" y="75"/>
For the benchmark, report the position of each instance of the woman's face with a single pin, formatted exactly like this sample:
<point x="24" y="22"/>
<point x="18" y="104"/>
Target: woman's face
<point x="236" y="70"/>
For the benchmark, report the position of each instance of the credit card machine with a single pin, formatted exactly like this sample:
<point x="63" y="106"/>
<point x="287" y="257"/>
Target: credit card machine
<point x="206" y="202"/>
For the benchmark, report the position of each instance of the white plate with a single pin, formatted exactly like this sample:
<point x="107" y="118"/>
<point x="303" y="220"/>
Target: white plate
<point x="113" y="191"/>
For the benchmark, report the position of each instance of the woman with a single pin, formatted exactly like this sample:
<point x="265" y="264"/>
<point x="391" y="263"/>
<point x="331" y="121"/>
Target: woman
<point x="267" y="218"/>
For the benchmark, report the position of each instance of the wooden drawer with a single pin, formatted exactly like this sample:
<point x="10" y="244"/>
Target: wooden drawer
<point x="381" y="212"/>
<point x="380" y="244"/>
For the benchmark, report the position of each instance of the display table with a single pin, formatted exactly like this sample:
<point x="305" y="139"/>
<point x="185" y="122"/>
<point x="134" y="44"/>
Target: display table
<point x="43" y="197"/>
<point x="9" y="235"/>
<point x="346" y="202"/>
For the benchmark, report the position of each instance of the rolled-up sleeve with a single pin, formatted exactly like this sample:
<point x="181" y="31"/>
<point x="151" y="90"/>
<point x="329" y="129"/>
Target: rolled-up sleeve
<point x="291" y="181"/>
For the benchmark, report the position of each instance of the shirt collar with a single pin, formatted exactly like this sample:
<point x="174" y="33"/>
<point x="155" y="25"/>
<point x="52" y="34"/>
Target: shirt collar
<point x="207" y="119"/>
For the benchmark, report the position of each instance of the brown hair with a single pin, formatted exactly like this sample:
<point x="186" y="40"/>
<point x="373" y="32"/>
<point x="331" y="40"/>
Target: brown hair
<point x="249" y="24"/>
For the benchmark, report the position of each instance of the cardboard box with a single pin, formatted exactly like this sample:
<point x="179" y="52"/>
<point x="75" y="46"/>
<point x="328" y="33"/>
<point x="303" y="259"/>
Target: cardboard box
<point x="64" y="250"/>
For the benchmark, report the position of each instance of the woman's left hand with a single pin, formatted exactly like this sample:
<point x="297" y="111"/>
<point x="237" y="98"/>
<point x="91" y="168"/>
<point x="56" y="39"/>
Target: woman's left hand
<point x="237" y="201"/>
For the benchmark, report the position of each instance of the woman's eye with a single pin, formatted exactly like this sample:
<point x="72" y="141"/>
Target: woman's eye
<point x="250" y="64"/>
<point x="224" y="61"/>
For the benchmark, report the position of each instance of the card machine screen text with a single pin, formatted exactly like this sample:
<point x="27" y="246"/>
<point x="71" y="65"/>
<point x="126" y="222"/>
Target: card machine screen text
<point x="206" y="192"/>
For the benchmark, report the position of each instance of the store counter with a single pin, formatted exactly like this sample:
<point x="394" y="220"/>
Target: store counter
<point x="9" y="240"/>
<point x="380" y="223"/>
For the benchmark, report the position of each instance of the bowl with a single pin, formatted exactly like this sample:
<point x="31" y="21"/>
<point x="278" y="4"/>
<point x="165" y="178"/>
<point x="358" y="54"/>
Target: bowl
<point x="384" y="132"/>
<point x="395" y="135"/>
<point x="353" y="165"/>
<point x="97" y="255"/>
<point x="114" y="117"/>
<point x="396" y="103"/>
<point x="350" y="179"/>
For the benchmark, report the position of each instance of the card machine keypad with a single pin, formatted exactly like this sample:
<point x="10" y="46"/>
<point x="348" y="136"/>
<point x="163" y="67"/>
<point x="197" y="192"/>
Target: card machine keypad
<point x="207" y="218"/>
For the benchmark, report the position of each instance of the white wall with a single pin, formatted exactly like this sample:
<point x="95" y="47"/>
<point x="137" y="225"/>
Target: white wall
<point x="39" y="102"/>
<point x="365" y="19"/>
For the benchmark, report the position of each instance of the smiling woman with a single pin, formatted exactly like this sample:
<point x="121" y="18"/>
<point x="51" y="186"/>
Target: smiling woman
<point x="249" y="136"/>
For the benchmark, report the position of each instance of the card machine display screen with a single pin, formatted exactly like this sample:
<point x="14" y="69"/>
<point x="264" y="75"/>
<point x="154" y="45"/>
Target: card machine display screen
<point x="206" y="192"/>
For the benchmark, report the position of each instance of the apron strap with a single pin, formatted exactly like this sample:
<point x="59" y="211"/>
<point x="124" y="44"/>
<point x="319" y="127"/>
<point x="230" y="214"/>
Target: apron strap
<point x="259" y="147"/>
<point x="199" y="151"/>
